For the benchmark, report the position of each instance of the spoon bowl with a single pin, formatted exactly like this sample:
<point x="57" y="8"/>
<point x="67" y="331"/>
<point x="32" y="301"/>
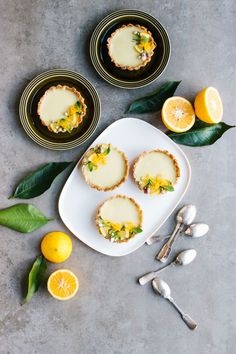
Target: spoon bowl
<point x="161" y="287"/>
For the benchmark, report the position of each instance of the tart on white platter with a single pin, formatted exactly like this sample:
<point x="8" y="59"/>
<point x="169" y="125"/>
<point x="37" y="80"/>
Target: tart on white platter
<point x="156" y="172"/>
<point x="105" y="167"/>
<point x="131" y="47"/>
<point x="61" y="109"/>
<point x="119" y="219"/>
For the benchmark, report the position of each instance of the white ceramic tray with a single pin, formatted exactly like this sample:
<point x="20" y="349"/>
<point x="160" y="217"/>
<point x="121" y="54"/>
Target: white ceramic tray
<point x="78" y="202"/>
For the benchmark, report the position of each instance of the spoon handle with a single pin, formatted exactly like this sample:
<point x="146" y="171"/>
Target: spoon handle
<point x="154" y="239"/>
<point x="163" y="254"/>
<point x="149" y="276"/>
<point x="185" y="317"/>
<point x="146" y="278"/>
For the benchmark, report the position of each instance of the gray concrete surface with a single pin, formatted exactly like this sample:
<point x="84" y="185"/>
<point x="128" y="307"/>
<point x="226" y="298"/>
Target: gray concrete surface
<point x="111" y="313"/>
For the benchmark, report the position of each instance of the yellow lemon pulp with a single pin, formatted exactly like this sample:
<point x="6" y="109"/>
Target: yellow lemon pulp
<point x="178" y="114"/>
<point x="208" y="105"/>
<point x="63" y="284"/>
<point x="155" y="185"/>
<point x="56" y="246"/>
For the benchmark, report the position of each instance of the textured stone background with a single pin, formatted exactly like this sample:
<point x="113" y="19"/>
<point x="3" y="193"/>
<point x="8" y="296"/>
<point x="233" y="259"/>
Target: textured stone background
<point x="111" y="313"/>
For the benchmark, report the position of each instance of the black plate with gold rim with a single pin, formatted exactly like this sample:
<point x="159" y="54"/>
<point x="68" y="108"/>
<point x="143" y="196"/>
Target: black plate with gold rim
<point x="125" y="78"/>
<point x="31" y="121"/>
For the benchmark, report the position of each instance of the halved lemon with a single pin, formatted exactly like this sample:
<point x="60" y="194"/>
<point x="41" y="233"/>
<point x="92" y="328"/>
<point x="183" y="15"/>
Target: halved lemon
<point x="208" y="105"/>
<point x="178" y="114"/>
<point x="63" y="284"/>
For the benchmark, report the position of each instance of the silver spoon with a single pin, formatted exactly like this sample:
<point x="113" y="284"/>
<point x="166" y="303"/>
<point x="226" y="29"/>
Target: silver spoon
<point x="162" y="288"/>
<point x="185" y="216"/>
<point x="194" y="230"/>
<point x="183" y="258"/>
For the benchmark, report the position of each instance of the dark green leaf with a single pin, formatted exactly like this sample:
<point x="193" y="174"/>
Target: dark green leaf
<point x="23" y="218"/>
<point x="39" y="181"/>
<point x="149" y="183"/>
<point x="201" y="134"/>
<point x="90" y="165"/>
<point x="154" y="101"/>
<point x="36" y="277"/>
<point x="135" y="230"/>
<point x="78" y="104"/>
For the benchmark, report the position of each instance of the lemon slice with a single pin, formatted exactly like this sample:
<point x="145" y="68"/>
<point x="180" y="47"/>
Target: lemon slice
<point x="178" y="114"/>
<point x="63" y="284"/>
<point x="208" y="105"/>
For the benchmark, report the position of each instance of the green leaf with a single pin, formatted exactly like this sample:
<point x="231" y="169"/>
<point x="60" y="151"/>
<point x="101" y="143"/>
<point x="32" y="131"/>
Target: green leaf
<point x="37" y="182"/>
<point x="107" y="151"/>
<point x="201" y="134"/>
<point x="135" y="230"/>
<point x="154" y="101"/>
<point x="78" y="104"/>
<point x="36" y="277"/>
<point x="23" y="218"/>
<point x="90" y="165"/>
<point x="169" y="188"/>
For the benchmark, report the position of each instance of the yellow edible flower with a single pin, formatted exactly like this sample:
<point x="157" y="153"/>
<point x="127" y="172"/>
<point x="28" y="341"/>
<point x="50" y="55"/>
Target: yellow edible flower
<point x="98" y="159"/>
<point x="154" y="184"/>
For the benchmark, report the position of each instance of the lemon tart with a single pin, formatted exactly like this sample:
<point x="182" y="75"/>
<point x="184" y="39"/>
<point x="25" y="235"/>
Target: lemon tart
<point x="119" y="219"/>
<point x="131" y="47"/>
<point x="156" y="172"/>
<point x="105" y="167"/>
<point x="61" y="109"/>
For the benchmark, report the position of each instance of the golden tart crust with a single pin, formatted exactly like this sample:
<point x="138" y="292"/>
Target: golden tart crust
<point x="115" y="185"/>
<point x="167" y="153"/>
<point x="127" y="67"/>
<point x="140" y="216"/>
<point x="80" y="99"/>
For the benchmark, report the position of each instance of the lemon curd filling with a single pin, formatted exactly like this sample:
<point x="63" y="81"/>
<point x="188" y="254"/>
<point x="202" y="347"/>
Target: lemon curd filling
<point x="97" y="157"/>
<point x="68" y="122"/>
<point x="155" y="185"/>
<point x="117" y="231"/>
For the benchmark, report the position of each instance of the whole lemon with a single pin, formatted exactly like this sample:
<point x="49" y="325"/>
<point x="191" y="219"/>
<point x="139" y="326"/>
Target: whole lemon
<point x="56" y="246"/>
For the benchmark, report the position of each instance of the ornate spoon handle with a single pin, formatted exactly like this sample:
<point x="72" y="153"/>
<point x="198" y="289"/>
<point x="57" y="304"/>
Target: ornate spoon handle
<point x="149" y="276"/>
<point x="185" y="317"/>
<point x="163" y="255"/>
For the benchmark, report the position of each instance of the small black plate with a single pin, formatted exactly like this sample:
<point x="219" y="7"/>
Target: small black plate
<point x="30" y="118"/>
<point x="126" y="78"/>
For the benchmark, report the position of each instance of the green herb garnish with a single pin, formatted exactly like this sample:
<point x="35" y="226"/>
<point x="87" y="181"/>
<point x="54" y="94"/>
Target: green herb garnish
<point x="107" y="151"/>
<point x="169" y="188"/>
<point x="137" y="37"/>
<point x="135" y="230"/>
<point x="78" y="105"/>
<point x="90" y="165"/>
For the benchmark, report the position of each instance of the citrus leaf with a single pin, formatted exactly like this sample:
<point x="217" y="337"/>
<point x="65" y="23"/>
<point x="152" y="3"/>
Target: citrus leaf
<point x="36" y="277"/>
<point x="201" y="134"/>
<point x="155" y="100"/>
<point x="23" y="218"/>
<point x="37" y="182"/>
